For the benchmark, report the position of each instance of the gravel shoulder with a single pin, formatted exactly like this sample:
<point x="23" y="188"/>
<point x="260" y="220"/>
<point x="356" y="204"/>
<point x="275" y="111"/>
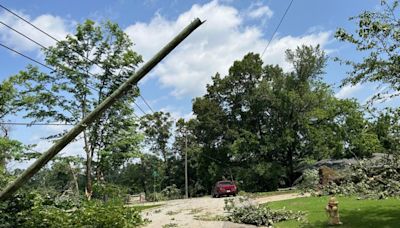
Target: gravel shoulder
<point x="193" y="212"/>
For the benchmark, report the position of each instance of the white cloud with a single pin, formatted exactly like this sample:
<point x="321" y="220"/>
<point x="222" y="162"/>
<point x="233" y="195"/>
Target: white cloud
<point x="72" y="149"/>
<point x="348" y="91"/>
<point x="260" y="12"/>
<point x="54" y="25"/>
<point x="212" y="48"/>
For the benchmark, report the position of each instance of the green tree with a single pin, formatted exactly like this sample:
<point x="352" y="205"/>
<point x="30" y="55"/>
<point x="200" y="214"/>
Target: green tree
<point x="387" y="129"/>
<point x="157" y="131"/>
<point x="89" y="65"/>
<point x="265" y="123"/>
<point x="9" y="104"/>
<point x="185" y="141"/>
<point x="378" y="37"/>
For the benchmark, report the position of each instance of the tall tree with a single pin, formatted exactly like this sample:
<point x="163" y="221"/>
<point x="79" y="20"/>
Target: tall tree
<point x="9" y="104"/>
<point x="157" y="131"/>
<point x="266" y="122"/>
<point x="89" y="66"/>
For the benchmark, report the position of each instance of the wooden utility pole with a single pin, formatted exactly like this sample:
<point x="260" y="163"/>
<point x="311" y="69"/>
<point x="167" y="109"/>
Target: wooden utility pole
<point x="186" y="168"/>
<point x="109" y="101"/>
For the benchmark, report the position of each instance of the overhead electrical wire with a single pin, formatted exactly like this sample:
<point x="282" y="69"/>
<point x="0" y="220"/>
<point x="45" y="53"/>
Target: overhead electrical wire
<point x="40" y="63"/>
<point x="52" y="37"/>
<point x="140" y="108"/>
<point x="144" y="100"/>
<point x="277" y="27"/>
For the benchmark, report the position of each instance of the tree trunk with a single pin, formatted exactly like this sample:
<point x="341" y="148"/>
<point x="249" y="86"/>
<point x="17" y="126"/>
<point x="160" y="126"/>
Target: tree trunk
<point x="290" y="171"/>
<point x="89" y="189"/>
<point x="74" y="176"/>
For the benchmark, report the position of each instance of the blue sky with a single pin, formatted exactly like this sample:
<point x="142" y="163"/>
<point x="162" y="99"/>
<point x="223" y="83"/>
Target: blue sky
<point x="233" y="28"/>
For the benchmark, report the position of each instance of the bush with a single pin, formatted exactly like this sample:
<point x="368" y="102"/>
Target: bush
<point x="35" y="210"/>
<point x="154" y="197"/>
<point x="310" y="180"/>
<point x="250" y="213"/>
<point x="108" y="191"/>
<point x="109" y="214"/>
<point x="168" y="193"/>
<point x="171" y="192"/>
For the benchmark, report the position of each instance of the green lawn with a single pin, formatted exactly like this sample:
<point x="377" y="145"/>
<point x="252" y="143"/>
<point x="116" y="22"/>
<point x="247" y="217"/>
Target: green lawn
<point x="353" y="213"/>
<point x="264" y="194"/>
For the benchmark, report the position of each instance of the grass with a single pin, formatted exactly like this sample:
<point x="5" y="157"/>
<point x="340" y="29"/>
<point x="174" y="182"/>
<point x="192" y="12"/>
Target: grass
<point x="144" y="207"/>
<point x="265" y="194"/>
<point x="353" y="213"/>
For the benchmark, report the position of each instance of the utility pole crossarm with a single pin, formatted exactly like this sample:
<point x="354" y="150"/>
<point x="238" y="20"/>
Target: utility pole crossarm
<point x="109" y="101"/>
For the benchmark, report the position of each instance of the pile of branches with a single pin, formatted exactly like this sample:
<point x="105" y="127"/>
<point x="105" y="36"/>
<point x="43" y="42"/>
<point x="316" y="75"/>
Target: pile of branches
<point x="368" y="179"/>
<point x="248" y="212"/>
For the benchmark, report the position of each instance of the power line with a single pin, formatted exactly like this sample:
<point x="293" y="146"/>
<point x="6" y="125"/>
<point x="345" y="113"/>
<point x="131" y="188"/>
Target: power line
<point x="26" y="21"/>
<point x="42" y="46"/>
<point x="27" y="57"/>
<point x="140" y="108"/>
<point x="44" y="32"/>
<point x="277" y="27"/>
<point x="39" y="44"/>
<point x="146" y="103"/>
<point x="46" y="66"/>
<point x="20" y="33"/>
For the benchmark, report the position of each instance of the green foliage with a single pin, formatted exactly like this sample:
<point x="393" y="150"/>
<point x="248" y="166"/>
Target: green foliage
<point x="90" y="65"/>
<point x="157" y="128"/>
<point x="354" y="213"/>
<point x="35" y="210"/>
<point x="108" y="191"/>
<point x="264" y="123"/>
<point x="310" y="179"/>
<point x="387" y="128"/>
<point x="369" y="179"/>
<point x="109" y="214"/>
<point x="250" y="213"/>
<point x="378" y="37"/>
<point x="168" y="193"/>
<point x="155" y="197"/>
<point x="171" y="192"/>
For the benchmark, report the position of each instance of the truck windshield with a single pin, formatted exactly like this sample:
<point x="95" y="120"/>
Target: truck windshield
<point x="225" y="183"/>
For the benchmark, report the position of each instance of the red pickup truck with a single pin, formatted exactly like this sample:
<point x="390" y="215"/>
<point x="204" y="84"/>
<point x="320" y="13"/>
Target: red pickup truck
<point x="224" y="188"/>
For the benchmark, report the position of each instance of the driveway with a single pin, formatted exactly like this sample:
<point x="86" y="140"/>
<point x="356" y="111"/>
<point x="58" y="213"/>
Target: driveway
<point x="193" y="212"/>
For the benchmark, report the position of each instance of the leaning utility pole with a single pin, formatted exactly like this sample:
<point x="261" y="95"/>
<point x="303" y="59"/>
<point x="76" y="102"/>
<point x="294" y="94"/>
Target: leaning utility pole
<point x="118" y="93"/>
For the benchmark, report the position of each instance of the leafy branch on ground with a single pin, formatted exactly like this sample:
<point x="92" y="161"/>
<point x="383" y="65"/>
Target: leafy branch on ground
<point x="369" y="179"/>
<point x="250" y="213"/>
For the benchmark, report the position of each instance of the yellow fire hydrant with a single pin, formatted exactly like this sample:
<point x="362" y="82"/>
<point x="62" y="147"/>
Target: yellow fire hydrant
<point x="332" y="209"/>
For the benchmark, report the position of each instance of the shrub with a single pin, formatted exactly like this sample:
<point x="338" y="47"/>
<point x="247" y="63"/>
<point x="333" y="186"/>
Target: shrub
<point x="154" y="197"/>
<point x="109" y="214"/>
<point x="35" y="210"/>
<point x="310" y="179"/>
<point x="107" y="191"/>
<point x="255" y="214"/>
<point x="171" y="192"/>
